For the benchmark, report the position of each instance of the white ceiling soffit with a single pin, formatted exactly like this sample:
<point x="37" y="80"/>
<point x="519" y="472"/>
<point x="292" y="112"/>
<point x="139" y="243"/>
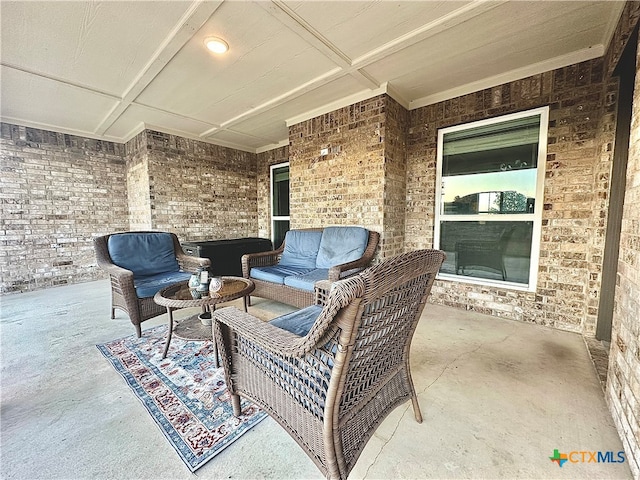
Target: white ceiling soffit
<point x="107" y="70"/>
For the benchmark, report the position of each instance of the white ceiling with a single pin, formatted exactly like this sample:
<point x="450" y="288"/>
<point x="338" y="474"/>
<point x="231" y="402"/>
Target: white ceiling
<point x="108" y="69"/>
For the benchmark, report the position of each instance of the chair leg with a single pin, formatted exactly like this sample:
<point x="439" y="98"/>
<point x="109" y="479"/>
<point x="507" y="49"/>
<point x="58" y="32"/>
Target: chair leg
<point x="235" y="402"/>
<point x="138" y="330"/>
<point x="414" y="396"/>
<point x="416" y="408"/>
<point x="113" y="313"/>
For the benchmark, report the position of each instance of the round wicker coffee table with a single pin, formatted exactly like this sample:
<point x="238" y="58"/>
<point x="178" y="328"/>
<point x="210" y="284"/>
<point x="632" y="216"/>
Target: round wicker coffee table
<point x="178" y="296"/>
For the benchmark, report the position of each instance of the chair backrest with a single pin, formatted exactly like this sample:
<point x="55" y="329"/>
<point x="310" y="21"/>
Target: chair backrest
<point x="367" y="324"/>
<point x="326" y="247"/>
<point x="407" y="277"/>
<point x="505" y="237"/>
<point x="143" y="253"/>
<point x="393" y="298"/>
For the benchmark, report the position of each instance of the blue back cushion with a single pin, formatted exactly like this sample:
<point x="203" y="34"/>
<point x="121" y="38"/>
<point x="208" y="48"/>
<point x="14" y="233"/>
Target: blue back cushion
<point x="341" y="245"/>
<point x="143" y="253"/>
<point x="300" y="248"/>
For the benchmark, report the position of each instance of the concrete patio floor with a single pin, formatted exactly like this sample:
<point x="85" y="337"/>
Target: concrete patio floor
<point x="497" y="398"/>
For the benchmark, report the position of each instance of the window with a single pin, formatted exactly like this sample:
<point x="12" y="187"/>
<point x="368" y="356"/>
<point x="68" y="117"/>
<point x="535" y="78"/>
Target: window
<point x="279" y="202"/>
<point x="489" y="199"/>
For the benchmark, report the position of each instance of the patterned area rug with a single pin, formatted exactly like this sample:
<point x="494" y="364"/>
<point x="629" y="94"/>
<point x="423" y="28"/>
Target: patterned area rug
<point x="184" y="393"/>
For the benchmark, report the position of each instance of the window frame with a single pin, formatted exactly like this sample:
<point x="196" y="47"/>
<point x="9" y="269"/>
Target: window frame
<point x="535" y="217"/>
<point x="275" y="218"/>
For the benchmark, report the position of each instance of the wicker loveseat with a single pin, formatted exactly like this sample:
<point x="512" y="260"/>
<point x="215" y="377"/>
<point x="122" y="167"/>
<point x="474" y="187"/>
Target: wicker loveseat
<point x="306" y="256"/>
<point x="139" y="265"/>
<point x="329" y="374"/>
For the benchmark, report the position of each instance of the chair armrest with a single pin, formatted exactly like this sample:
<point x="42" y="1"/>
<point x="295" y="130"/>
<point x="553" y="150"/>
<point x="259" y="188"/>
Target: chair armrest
<point x="321" y="290"/>
<point x="345" y="270"/>
<point x="273" y="339"/>
<point x="188" y="263"/>
<point x="122" y="282"/>
<point x="260" y="259"/>
<point x="118" y="273"/>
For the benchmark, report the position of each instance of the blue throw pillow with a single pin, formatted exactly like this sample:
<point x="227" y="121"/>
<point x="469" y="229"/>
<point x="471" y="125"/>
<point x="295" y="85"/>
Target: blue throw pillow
<point x="143" y="253"/>
<point x="341" y="245"/>
<point x="300" y="248"/>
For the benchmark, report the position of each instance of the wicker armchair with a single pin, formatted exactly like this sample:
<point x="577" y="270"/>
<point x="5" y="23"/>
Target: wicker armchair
<point x="123" y="288"/>
<point x="332" y="387"/>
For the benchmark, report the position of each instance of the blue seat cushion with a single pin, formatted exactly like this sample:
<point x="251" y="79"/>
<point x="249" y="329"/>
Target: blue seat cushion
<point x="276" y="273"/>
<point x="300" y="248"/>
<point x="341" y="245"/>
<point x="149" y="285"/>
<point x="307" y="280"/>
<point x="143" y="253"/>
<point x="298" y="322"/>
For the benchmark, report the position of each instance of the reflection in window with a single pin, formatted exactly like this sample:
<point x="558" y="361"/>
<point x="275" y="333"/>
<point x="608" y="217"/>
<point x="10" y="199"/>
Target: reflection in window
<point x="491" y="250"/>
<point x="491" y="169"/>
<point x="489" y="198"/>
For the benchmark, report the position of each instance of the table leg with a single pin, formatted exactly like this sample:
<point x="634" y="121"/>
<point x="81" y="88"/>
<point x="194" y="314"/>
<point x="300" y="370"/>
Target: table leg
<point x="215" y="352"/>
<point x="212" y="309"/>
<point x="246" y="299"/>
<point x="170" y="333"/>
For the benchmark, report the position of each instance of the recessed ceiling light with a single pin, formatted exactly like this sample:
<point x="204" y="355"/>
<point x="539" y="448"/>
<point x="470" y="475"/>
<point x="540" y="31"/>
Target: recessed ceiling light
<point x="216" y="45"/>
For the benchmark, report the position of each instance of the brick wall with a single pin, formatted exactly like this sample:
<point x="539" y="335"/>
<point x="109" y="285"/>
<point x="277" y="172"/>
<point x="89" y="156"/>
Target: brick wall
<point x="575" y="183"/>
<point x="197" y="190"/>
<point x="58" y="191"/>
<point x="394" y="134"/>
<point x="623" y="380"/>
<point x="602" y="171"/>
<point x="345" y="187"/>
<point x="265" y="160"/>
<point x="138" y="183"/>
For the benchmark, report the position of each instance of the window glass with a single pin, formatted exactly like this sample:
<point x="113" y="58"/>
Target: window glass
<point x="492" y="250"/>
<point x="491" y="169"/>
<point x="281" y="191"/>
<point x="279" y="203"/>
<point x="488" y="216"/>
<point x="280" y="228"/>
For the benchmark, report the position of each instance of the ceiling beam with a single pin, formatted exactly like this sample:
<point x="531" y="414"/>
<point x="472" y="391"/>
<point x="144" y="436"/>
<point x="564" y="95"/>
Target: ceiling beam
<point x="445" y="22"/>
<point x="345" y="65"/>
<point x="63" y="81"/>
<point x="193" y="19"/>
<point x="313" y="37"/>
<point x="280" y="99"/>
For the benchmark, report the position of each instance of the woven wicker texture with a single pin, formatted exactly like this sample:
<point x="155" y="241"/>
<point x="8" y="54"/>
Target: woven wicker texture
<point x="294" y="296"/>
<point x="123" y="293"/>
<point x="331" y="389"/>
